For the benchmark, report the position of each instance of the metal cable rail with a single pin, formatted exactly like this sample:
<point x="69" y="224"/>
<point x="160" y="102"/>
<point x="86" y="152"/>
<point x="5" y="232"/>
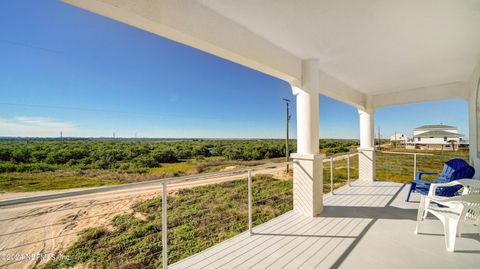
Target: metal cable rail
<point x="415" y="154"/>
<point x="164" y="185"/>
<point x="170" y="180"/>
<point x="331" y="159"/>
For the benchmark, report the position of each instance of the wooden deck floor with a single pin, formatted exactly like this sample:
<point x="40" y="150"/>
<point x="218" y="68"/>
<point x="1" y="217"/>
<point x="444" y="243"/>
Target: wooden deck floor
<point x="367" y="225"/>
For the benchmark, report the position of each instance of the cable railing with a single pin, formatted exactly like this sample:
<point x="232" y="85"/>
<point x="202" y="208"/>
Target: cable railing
<point x="403" y="166"/>
<point x="339" y="170"/>
<point x="158" y="227"/>
<point x="169" y="219"/>
<point x="233" y="220"/>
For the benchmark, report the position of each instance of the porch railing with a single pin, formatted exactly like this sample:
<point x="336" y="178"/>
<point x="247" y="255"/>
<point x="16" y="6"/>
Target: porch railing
<point x="339" y="169"/>
<point x="403" y="166"/>
<point x="250" y="200"/>
<point x="163" y="186"/>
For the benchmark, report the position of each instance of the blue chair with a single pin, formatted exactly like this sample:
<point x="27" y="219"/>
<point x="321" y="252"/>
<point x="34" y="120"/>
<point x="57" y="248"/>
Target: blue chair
<point x="452" y="170"/>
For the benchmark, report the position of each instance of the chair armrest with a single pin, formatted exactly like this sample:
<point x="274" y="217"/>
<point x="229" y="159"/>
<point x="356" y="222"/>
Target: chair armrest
<point x="460" y="199"/>
<point x="420" y="174"/>
<point x="444" y="201"/>
<point x="422" y="182"/>
<point x="433" y="187"/>
<point x="470" y="185"/>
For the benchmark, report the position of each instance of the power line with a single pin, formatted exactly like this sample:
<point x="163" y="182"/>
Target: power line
<point x="15" y="43"/>
<point x="75" y="108"/>
<point x="101" y="110"/>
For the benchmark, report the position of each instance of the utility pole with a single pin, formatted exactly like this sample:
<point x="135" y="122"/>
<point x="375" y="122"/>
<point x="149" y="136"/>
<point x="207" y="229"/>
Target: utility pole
<point x="287" y="149"/>
<point x="61" y="135"/>
<point x="113" y="135"/>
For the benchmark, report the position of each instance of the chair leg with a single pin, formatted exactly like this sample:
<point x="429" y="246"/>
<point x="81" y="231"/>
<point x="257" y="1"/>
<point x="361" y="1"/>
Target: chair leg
<point x="420" y="213"/>
<point x="450" y="226"/>
<point x="425" y="203"/>
<point x="412" y="188"/>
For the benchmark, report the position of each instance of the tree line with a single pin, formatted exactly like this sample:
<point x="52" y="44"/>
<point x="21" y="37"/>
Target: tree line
<point x="39" y="155"/>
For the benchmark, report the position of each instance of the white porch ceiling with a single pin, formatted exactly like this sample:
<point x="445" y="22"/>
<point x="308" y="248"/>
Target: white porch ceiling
<point x="373" y="46"/>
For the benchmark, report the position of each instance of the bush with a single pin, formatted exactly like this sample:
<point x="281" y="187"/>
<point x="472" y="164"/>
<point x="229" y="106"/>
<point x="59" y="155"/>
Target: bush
<point x="6" y="167"/>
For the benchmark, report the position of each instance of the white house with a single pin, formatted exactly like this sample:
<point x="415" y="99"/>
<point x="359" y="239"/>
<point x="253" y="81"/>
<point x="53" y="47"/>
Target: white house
<point x="399" y="138"/>
<point x="437" y="136"/>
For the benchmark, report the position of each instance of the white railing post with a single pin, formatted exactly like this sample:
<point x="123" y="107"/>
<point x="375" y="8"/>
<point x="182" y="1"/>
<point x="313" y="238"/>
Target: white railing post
<point x="348" y="169"/>
<point x="250" y="229"/>
<point x="331" y="175"/>
<point x="414" y="165"/>
<point x="164" y="226"/>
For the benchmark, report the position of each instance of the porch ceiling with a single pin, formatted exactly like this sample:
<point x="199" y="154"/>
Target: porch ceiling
<point x="373" y="46"/>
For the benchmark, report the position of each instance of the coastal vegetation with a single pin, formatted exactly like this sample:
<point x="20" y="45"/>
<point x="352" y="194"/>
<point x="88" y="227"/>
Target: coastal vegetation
<point x="198" y="217"/>
<point x="47" y="164"/>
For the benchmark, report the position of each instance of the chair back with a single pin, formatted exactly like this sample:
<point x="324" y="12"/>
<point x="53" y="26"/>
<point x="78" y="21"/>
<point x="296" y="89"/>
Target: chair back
<point x="464" y="172"/>
<point x="470" y="186"/>
<point x="450" y="167"/>
<point x="471" y="209"/>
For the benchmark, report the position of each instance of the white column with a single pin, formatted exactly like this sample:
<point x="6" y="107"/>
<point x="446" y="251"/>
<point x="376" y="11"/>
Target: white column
<point x="473" y="110"/>
<point x="307" y="122"/>
<point x="307" y="170"/>
<point x="366" y="151"/>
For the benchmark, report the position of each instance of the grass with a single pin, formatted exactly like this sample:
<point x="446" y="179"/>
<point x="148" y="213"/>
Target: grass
<point x="198" y="218"/>
<point x="28" y="182"/>
<point x="391" y="167"/>
<point x="205" y="165"/>
<point x="175" y="169"/>
<point x="399" y="168"/>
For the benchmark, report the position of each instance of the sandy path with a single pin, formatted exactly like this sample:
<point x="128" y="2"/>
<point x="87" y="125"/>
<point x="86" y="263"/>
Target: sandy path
<point x="32" y="233"/>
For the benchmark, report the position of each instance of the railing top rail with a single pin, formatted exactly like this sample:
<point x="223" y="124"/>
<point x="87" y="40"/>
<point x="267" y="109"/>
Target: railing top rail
<point x="70" y="193"/>
<point x="416" y="153"/>
<point x="226" y="173"/>
<point x="340" y="154"/>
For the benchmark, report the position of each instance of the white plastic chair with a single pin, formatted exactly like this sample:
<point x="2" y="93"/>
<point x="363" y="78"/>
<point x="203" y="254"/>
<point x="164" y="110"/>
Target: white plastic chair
<point x="457" y="210"/>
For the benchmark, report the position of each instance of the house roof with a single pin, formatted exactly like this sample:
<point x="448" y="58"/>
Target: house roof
<point x="435" y="126"/>
<point x="438" y="134"/>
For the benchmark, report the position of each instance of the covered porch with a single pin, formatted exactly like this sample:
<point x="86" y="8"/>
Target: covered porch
<point x="365" y="225"/>
<point x="368" y="54"/>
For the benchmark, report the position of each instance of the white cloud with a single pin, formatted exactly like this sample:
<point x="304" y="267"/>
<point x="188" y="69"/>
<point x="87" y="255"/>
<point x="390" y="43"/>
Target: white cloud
<point x="35" y="126"/>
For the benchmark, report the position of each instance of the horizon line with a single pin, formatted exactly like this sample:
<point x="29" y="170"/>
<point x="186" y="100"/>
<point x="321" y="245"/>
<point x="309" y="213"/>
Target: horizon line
<point x="163" y="138"/>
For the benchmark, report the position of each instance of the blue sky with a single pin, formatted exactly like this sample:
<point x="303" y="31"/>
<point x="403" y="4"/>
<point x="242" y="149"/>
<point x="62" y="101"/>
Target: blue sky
<point x="65" y="69"/>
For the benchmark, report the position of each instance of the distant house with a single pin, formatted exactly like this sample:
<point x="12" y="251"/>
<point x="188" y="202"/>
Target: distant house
<point x="399" y="138"/>
<point x="437" y="137"/>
